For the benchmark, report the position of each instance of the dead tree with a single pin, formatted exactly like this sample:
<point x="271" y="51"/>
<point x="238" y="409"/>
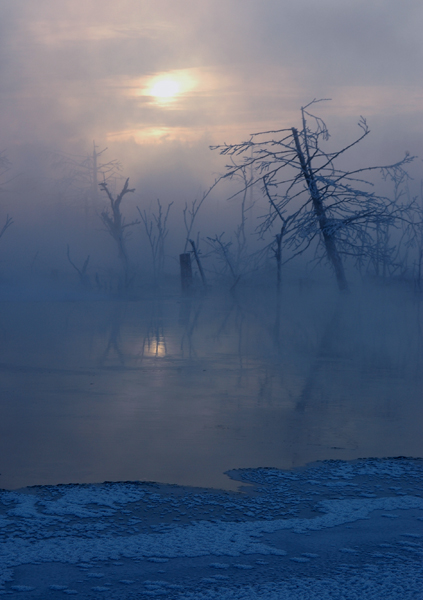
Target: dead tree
<point x="327" y="231"/>
<point x="412" y="242"/>
<point x="7" y="224"/>
<point x="95" y="170"/>
<point x="419" y="244"/>
<point x="82" y="273"/>
<point x="221" y="248"/>
<point x="198" y="261"/>
<point x="81" y="175"/>
<point x="334" y="209"/>
<point x="277" y="245"/>
<point x="241" y="258"/>
<point x="115" y="224"/>
<point x="157" y="232"/>
<point x="186" y="271"/>
<point x="5" y="166"/>
<point x="234" y="254"/>
<point x="190" y="215"/>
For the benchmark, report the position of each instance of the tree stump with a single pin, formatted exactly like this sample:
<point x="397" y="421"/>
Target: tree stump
<point x="186" y="271"/>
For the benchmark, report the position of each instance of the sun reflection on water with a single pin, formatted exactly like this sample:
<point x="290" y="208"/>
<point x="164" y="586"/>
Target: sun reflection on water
<point x="154" y="348"/>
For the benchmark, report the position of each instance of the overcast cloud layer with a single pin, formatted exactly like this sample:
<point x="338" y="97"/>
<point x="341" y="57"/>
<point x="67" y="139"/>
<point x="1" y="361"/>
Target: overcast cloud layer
<point x="75" y="70"/>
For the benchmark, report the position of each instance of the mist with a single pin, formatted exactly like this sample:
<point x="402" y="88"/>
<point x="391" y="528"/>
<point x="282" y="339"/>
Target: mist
<point x="211" y="284"/>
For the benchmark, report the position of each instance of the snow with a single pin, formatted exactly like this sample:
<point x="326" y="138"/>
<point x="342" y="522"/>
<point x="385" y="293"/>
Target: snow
<point x="334" y="529"/>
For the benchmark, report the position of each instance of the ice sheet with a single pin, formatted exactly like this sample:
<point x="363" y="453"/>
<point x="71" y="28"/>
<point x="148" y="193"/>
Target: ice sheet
<point x="334" y="529"/>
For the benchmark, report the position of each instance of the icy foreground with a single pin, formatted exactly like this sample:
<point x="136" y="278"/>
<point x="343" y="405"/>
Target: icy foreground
<point x="351" y="530"/>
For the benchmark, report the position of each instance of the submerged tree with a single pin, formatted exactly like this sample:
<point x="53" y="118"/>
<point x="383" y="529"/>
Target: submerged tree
<point x="4" y="168"/>
<point x="115" y="224"/>
<point x="7" y="223"/>
<point x="157" y="232"/>
<point x="222" y="249"/>
<point x="82" y="175"/>
<point x="82" y="272"/>
<point x="234" y="253"/>
<point x="314" y="199"/>
<point x="412" y="240"/>
<point x="190" y="214"/>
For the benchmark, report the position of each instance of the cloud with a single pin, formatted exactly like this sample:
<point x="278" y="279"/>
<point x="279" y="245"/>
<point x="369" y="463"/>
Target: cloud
<point x="72" y="72"/>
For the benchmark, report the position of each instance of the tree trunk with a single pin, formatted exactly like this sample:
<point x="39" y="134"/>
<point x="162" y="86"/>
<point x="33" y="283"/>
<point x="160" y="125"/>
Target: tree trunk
<point x="199" y="265"/>
<point x="186" y="271"/>
<point x="319" y="210"/>
<point x="278" y="254"/>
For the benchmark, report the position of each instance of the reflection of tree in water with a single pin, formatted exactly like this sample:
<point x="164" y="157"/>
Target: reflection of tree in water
<point x="188" y="319"/>
<point x="419" y="334"/>
<point x="239" y="325"/>
<point x="309" y="386"/>
<point x="325" y="353"/>
<point x="154" y="342"/>
<point x="247" y="317"/>
<point x="233" y="318"/>
<point x="366" y="363"/>
<point x="276" y="332"/>
<point x="236" y="311"/>
<point x="114" y="341"/>
<point x="321" y="416"/>
<point x="148" y="344"/>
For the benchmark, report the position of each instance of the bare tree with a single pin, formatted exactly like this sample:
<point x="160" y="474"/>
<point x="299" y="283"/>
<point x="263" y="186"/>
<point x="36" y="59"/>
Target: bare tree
<point x="157" y="232"/>
<point x="392" y="237"/>
<point x="418" y="264"/>
<point x="196" y="253"/>
<point x="286" y="228"/>
<point x="115" y="223"/>
<point x="228" y="255"/>
<point x="190" y="215"/>
<point x="241" y="250"/>
<point x="325" y="204"/>
<point x="81" y="175"/>
<point x="4" y="168"/>
<point x="96" y="170"/>
<point x="235" y="254"/>
<point x="221" y="248"/>
<point x="82" y="273"/>
<point x="412" y="244"/>
<point x="8" y="222"/>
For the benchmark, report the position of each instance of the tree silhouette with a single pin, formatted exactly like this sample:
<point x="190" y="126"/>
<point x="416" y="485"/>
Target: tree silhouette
<point x="315" y="199"/>
<point x="115" y="224"/>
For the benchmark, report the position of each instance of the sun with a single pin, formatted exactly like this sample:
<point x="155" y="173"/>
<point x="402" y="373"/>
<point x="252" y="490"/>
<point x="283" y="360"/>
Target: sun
<point x="165" y="89"/>
<point x="168" y="88"/>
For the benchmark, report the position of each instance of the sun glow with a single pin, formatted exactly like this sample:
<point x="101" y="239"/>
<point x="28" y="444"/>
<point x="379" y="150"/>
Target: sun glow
<point x="165" y="88"/>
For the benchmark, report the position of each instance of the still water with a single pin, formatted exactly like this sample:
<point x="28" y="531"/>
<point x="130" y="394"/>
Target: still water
<point x="180" y="390"/>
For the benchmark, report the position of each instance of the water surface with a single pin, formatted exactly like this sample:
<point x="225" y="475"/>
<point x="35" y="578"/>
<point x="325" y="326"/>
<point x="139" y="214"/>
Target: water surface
<point x="179" y="390"/>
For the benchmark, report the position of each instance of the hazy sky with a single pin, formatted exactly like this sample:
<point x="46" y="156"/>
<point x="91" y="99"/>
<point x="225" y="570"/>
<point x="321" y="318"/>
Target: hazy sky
<point x="175" y="73"/>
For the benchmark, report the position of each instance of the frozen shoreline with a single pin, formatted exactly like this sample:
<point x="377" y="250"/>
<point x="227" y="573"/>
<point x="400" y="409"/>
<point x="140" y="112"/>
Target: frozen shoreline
<point x="355" y="526"/>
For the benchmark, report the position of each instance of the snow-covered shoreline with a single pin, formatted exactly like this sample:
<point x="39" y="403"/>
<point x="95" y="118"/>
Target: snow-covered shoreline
<point x="307" y="533"/>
